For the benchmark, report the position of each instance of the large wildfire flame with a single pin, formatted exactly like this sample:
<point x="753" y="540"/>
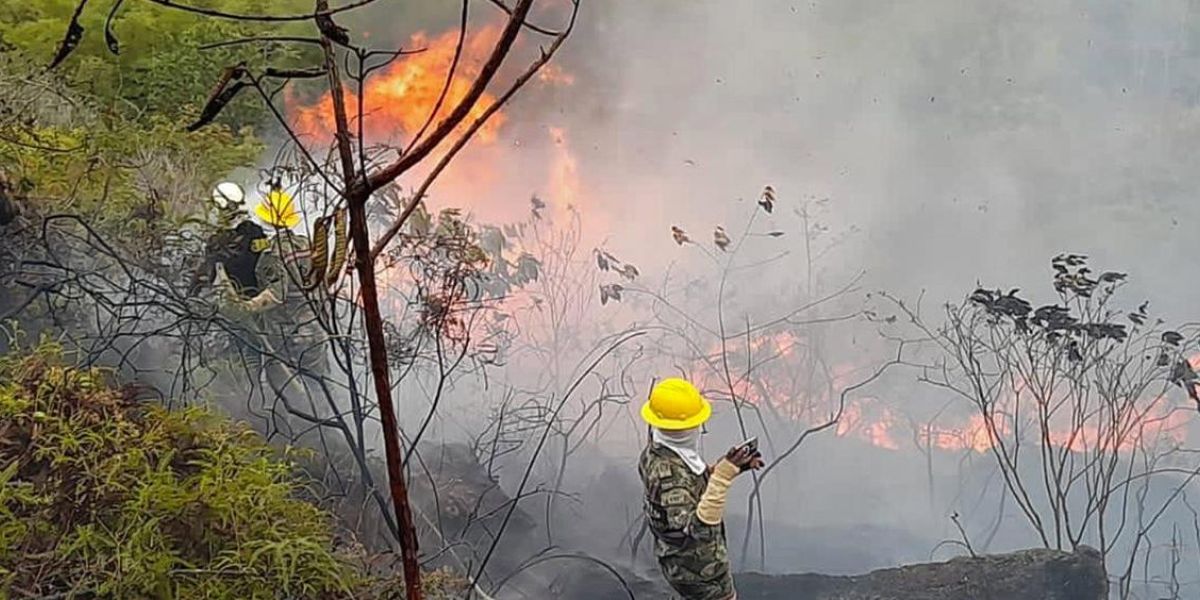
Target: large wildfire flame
<point x="878" y="423"/>
<point x="397" y="103"/>
<point x="398" y="100"/>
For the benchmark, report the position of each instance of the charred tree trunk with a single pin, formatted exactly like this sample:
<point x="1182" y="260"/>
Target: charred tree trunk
<point x="357" y="194"/>
<point x="373" y="323"/>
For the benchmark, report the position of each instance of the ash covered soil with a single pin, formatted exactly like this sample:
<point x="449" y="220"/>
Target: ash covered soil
<point x="1026" y="575"/>
<point x="1040" y="574"/>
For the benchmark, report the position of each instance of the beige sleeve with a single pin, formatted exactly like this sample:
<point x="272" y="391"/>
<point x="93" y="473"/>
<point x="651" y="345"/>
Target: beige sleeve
<point x="264" y="300"/>
<point x="711" y="508"/>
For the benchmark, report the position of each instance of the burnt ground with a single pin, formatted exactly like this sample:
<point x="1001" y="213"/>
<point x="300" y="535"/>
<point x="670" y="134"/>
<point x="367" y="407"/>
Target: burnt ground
<point x="1027" y="575"/>
<point x="1043" y="574"/>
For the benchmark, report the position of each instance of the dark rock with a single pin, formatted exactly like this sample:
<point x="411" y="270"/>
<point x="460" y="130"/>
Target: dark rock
<point x="1042" y="574"/>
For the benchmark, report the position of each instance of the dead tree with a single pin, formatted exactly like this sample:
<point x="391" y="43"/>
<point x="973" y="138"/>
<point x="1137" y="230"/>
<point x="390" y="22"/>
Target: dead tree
<point x="1080" y="403"/>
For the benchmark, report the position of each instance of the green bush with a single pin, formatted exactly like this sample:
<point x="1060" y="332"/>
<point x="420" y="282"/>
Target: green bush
<point x="104" y="496"/>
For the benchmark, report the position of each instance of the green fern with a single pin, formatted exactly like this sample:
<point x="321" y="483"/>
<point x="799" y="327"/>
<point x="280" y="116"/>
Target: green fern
<point x="122" y="500"/>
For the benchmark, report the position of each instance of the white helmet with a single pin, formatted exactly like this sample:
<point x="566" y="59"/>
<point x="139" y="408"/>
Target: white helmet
<point x="228" y="193"/>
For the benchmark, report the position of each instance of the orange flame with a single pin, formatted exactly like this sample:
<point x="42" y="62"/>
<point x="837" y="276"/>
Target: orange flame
<point x="875" y="430"/>
<point x="399" y="99"/>
<point x="1159" y="421"/>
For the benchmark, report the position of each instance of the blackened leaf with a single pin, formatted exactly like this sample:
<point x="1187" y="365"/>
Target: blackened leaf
<point x="226" y="89"/>
<point x="71" y="40"/>
<point x="294" y="73"/>
<point x="216" y="105"/>
<point x="1172" y="338"/>
<point x="110" y="39"/>
<point x="601" y="262"/>
<point x="767" y="200"/>
<point x="629" y="272"/>
<point x="1182" y="372"/>
<point x="982" y="296"/>
<point x="776" y="234"/>
<point x="336" y="33"/>
<point x="611" y="291"/>
<point x="720" y="238"/>
<point x="679" y="235"/>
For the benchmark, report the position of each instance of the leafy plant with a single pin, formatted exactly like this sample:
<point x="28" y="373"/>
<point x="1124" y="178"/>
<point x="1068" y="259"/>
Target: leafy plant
<point x="161" y="64"/>
<point x="103" y="495"/>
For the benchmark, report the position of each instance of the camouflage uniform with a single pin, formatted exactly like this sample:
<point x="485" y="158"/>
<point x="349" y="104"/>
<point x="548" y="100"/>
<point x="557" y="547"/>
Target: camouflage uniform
<point x="692" y="554"/>
<point x="291" y="327"/>
<point x="235" y="245"/>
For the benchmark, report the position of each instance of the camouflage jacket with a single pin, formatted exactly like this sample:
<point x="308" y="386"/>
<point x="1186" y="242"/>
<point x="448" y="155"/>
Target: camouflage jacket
<point x="291" y="327"/>
<point x="281" y="268"/>
<point x="692" y="554"/>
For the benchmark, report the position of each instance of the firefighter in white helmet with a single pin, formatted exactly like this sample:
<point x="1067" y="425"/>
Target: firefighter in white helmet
<point x="235" y="245"/>
<point x="292" y="339"/>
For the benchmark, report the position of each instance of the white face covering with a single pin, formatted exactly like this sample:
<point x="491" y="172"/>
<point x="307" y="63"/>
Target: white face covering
<point x="685" y="443"/>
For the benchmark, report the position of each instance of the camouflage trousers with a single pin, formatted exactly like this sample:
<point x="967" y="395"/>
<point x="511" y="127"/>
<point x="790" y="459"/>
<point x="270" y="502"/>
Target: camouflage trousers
<point x="699" y="571"/>
<point x="285" y="364"/>
<point x="295" y="360"/>
<point x="690" y="587"/>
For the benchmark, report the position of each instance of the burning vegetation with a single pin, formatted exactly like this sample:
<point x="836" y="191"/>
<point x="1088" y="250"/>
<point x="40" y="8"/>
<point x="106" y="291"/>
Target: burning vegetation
<point x="399" y="101"/>
<point x="465" y="380"/>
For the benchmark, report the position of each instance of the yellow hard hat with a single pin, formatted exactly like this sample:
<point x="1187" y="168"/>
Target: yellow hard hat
<point x="278" y="210"/>
<point x="675" y="404"/>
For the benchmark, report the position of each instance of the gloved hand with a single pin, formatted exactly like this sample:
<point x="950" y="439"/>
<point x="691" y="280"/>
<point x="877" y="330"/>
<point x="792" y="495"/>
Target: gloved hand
<point x="744" y="458"/>
<point x="224" y="286"/>
<point x="711" y="508"/>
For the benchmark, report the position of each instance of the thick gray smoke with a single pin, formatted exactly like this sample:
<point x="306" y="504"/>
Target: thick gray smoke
<point x="963" y="141"/>
<point x="969" y="140"/>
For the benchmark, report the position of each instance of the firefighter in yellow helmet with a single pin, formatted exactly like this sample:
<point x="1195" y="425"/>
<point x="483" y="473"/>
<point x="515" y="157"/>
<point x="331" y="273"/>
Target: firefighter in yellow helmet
<point x="281" y="311"/>
<point x="685" y="498"/>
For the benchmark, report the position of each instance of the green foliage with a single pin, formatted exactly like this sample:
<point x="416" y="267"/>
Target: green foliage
<point x="106" y="496"/>
<point x="161" y="68"/>
<point x="101" y="136"/>
<point x="133" y="179"/>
